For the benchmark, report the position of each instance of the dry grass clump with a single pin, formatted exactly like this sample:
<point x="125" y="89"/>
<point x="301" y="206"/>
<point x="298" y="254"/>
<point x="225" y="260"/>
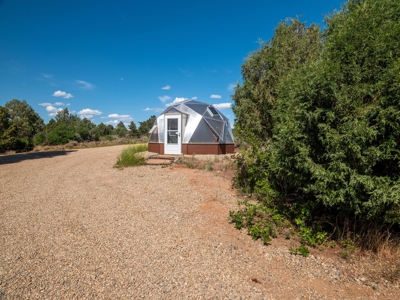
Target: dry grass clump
<point x="206" y="162"/>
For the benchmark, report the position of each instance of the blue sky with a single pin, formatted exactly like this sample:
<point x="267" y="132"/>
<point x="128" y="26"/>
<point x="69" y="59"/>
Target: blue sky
<point x="126" y="60"/>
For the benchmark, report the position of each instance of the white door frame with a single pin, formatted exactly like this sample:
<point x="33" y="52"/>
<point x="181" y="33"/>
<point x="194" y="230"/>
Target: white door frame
<point x="173" y="145"/>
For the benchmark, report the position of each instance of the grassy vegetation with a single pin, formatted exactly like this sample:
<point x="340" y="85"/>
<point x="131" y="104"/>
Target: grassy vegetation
<point x="131" y="156"/>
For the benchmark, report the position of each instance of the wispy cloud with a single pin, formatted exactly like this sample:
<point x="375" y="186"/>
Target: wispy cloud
<point x="62" y="104"/>
<point x="167" y="87"/>
<point x="89" y="113"/>
<point x="215" y="96"/>
<point x="222" y="105"/>
<point x="119" y="117"/>
<point x="54" y="104"/>
<point x="186" y="72"/>
<point x="164" y="98"/>
<point x="155" y="109"/>
<point x="210" y="70"/>
<point x="48" y="76"/>
<point x="194" y="98"/>
<point x="231" y="87"/>
<point x="45" y="104"/>
<point x="62" y="94"/>
<point x="85" y="85"/>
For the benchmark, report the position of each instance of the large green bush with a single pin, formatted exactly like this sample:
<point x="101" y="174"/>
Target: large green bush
<point x="331" y="127"/>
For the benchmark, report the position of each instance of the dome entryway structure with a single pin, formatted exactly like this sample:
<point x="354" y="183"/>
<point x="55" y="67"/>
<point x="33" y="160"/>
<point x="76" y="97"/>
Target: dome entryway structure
<point x="191" y="127"/>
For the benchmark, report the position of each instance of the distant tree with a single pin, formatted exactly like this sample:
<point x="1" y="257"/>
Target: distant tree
<point x="85" y="130"/>
<point x="110" y="129"/>
<point x="104" y="130"/>
<point x="133" y="131"/>
<point x="121" y="129"/>
<point x="25" y="120"/>
<point x="145" y="126"/>
<point x="7" y="131"/>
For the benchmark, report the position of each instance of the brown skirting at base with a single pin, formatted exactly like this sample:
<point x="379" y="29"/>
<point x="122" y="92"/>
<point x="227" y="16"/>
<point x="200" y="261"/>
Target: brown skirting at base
<point x="196" y="148"/>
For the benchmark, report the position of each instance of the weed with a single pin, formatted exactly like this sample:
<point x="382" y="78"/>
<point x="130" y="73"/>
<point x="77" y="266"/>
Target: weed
<point x="331" y="244"/>
<point x="209" y="166"/>
<point x="345" y="254"/>
<point x="348" y="244"/>
<point x="131" y="156"/>
<point x="253" y="217"/>
<point x="236" y="219"/>
<point x="349" y="248"/>
<point x="301" y="250"/>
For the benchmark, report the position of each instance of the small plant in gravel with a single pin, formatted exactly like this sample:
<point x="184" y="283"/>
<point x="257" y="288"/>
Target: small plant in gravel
<point x="209" y="166"/>
<point x="301" y="250"/>
<point x="265" y="219"/>
<point x="349" y="248"/>
<point x="260" y="221"/>
<point x="131" y="156"/>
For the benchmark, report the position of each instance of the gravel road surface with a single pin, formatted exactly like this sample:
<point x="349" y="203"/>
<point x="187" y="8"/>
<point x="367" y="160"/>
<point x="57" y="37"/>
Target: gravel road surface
<point x="74" y="227"/>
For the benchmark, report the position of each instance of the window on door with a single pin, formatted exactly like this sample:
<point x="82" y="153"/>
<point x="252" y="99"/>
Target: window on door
<point x="172" y="131"/>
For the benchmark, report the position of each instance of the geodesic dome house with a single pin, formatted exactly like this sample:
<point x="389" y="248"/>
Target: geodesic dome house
<point x="191" y="127"/>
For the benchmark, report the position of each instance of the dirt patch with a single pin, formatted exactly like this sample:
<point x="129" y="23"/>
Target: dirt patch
<point x="323" y="275"/>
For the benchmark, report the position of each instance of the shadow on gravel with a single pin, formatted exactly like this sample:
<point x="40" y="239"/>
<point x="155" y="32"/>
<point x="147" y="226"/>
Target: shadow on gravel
<point x="15" y="158"/>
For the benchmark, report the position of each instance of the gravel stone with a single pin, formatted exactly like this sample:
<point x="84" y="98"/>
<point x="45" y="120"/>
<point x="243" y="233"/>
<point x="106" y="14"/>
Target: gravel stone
<point x="74" y="227"/>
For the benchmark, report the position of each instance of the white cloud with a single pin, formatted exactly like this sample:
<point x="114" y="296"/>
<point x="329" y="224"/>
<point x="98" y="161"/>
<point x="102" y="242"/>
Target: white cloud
<point x="89" y="113"/>
<point x="231" y="87"/>
<point x="120" y="117"/>
<point x="222" y="105"/>
<point x="215" y="96"/>
<point x="54" y="104"/>
<point x="194" y="98"/>
<point x="167" y="87"/>
<point x="112" y="122"/>
<point x="155" y="109"/>
<point x="164" y="98"/>
<point x="62" y="94"/>
<point x="116" y="122"/>
<point x="52" y="110"/>
<point x="85" y="85"/>
<point x="176" y="100"/>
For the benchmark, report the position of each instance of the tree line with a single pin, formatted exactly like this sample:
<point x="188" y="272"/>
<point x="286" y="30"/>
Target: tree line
<point x="318" y="114"/>
<point x="21" y="128"/>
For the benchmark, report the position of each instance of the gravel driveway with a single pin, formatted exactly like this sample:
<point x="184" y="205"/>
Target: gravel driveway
<point x="73" y="227"/>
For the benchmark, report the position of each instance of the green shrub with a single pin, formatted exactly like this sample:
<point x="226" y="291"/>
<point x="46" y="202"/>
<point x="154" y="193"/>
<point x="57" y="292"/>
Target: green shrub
<point x="320" y="115"/>
<point x="131" y="156"/>
<point x="302" y="250"/>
